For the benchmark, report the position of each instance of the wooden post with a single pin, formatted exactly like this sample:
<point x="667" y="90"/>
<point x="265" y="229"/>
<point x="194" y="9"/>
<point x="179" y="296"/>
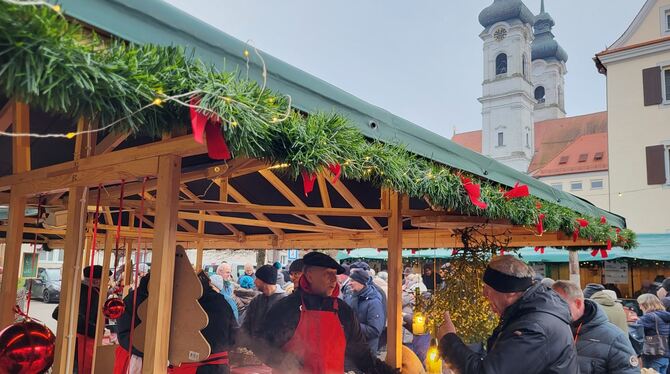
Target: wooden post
<point x="127" y="269"/>
<point x="162" y="266"/>
<point x="17" y="207"/>
<point x="68" y="308"/>
<point x="394" y="306"/>
<point x="200" y="245"/>
<point x="104" y="285"/>
<point x="573" y="264"/>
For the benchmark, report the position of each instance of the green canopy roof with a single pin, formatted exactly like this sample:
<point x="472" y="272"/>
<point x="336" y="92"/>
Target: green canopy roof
<point x="156" y="22"/>
<point x="654" y="247"/>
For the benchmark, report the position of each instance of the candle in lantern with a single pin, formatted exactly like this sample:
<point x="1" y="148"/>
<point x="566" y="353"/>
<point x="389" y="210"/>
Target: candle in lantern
<point x="418" y="324"/>
<point x="433" y="359"/>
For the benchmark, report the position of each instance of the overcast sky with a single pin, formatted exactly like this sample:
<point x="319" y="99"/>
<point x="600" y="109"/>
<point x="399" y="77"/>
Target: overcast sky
<point x="421" y="60"/>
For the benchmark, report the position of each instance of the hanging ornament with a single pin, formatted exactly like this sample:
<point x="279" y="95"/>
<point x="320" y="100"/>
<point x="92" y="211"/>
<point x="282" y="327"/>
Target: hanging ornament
<point x="582" y="223"/>
<point x="602" y="251"/>
<point x="517" y="191"/>
<point x="308" y="180"/>
<point x="433" y="359"/>
<point x="113" y="308"/>
<point x="474" y="193"/>
<point x="539" y="249"/>
<point x="336" y="169"/>
<point x="26" y="348"/>
<point x="217" y="148"/>
<point x="540" y="224"/>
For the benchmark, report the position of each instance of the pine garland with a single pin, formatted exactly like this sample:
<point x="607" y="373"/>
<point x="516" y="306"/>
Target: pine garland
<point x="56" y="66"/>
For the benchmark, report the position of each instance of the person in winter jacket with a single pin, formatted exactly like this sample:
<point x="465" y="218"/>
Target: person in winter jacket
<point x="369" y="309"/>
<point x="227" y="291"/>
<point x="663" y="294"/>
<point x="613" y="309"/>
<point x="294" y="272"/>
<point x="312" y="331"/>
<point x="257" y="312"/>
<point x="601" y="346"/>
<point x="123" y="364"/>
<point x="656" y="321"/>
<point x="533" y="336"/>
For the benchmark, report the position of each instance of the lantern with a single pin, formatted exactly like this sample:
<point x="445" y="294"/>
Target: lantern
<point x="433" y="359"/>
<point x="418" y="323"/>
<point x="113" y="308"/>
<point x="27" y="348"/>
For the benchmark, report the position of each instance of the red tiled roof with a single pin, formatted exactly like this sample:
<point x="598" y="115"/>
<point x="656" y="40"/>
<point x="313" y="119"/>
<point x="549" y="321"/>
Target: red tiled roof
<point x="633" y="46"/>
<point x="579" y="157"/>
<point x="552" y="137"/>
<point x="471" y="140"/>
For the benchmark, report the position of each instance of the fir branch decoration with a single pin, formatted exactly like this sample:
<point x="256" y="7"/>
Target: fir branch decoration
<point x="58" y="67"/>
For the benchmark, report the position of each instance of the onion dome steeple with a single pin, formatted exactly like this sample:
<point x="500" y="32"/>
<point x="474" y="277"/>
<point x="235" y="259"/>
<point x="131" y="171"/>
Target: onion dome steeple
<point x="505" y="10"/>
<point x="544" y="46"/>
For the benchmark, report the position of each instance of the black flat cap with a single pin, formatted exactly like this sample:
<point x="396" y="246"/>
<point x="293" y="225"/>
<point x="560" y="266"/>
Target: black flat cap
<point x="97" y="272"/>
<point x="296" y="266"/>
<point x="322" y="260"/>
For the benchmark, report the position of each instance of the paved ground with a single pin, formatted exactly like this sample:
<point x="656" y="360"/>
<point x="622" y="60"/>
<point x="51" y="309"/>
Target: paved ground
<point x="42" y="311"/>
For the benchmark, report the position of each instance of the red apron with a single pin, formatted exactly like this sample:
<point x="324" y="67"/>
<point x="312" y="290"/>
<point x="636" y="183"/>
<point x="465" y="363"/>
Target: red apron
<point x="220" y="358"/>
<point x="85" y="359"/>
<point x="318" y="341"/>
<point x="121" y="360"/>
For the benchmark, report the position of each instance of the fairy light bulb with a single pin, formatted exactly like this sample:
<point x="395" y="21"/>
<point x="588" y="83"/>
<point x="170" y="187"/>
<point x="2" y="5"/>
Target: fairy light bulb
<point x="57" y="8"/>
<point x="157" y="101"/>
<point x="246" y="53"/>
<point x="70" y="135"/>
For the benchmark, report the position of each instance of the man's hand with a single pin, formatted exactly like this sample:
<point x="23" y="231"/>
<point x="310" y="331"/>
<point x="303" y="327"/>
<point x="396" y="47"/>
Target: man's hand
<point x="447" y="327"/>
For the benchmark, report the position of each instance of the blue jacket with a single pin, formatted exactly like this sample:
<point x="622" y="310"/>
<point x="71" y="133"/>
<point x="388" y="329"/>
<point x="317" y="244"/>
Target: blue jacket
<point x="648" y="321"/>
<point x="227" y="292"/>
<point x="369" y="309"/>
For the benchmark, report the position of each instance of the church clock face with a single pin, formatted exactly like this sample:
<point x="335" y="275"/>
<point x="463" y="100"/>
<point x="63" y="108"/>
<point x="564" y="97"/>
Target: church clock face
<point x="500" y="34"/>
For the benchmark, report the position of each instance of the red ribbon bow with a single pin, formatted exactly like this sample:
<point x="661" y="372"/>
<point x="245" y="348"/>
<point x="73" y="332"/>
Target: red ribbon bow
<point x="603" y="220"/>
<point x="474" y="192"/>
<point x="517" y="191"/>
<point x="502" y="251"/>
<point x="348" y="251"/>
<point x="217" y="148"/>
<point x="454" y="252"/>
<point x="539" y="249"/>
<point x="308" y="180"/>
<point x="603" y="252"/>
<point x="582" y="223"/>
<point x="540" y="223"/>
<point x="413" y="251"/>
<point x="336" y="169"/>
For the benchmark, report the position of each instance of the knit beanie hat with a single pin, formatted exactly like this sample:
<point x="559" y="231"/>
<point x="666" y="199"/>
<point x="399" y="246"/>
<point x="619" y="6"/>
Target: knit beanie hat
<point x="246" y="281"/>
<point x="360" y="276"/>
<point x="267" y="274"/>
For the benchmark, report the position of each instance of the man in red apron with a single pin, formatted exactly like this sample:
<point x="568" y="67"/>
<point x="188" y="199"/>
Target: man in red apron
<point x="312" y="331"/>
<point x="86" y="329"/>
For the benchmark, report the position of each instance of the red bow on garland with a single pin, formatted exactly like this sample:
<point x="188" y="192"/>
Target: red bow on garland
<point x="517" y="191"/>
<point x="603" y="252"/>
<point x="582" y="223"/>
<point x="217" y="148"/>
<point x="413" y="251"/>
<point x="539" y="249"/>
<point x="308" y="180"/>
<point x="454" y="252"/>
<point x="474" y="192"/>
<point x="336" y="169"/>
<point x="603" y="220"/>
<point x="540" y="223"/>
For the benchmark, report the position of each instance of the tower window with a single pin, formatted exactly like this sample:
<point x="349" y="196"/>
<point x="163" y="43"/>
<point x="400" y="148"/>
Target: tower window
<point x="667" y="20"/>
<point x="500" y="139"/>
<point x="539" y="94"/>
<point x="523" y="64"/>
<point x="527" y="140"/>
<point x="501" y="64"/>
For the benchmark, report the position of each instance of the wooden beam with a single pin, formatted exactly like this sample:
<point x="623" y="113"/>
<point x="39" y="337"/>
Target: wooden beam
<point x="127" y="269"/>
<point x="199" y="249"/>
<point x="223" y="188"/>
<point x="104" y="285"/>
<point x="21" y="144"/>
<point x="7" y="115"/>
<point x="262" y="223"/>
<point x="184" y="189"/>
<point x="258" y="215"/>
<point x="323" y="191"/>
<point x="162" y="267"/>
<point x="110" y="142"/>
<point x="288" y="193"/>
<point x="353" y="201"/>
<point x="68" y="308"/>
<point x="12" y="258"/>
<point x="182" y="222"/>
<point x="394" y="305"/>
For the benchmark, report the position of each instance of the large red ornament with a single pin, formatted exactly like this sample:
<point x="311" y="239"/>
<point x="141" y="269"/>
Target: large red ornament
<point x="113" y="308"/>
<point x="517" y="191"/>
<point x="474" y="193"/>
<point x="26" y="348"/>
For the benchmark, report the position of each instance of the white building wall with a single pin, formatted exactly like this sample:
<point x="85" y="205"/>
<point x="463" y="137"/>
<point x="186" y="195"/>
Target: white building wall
<point x="590" y="186"/>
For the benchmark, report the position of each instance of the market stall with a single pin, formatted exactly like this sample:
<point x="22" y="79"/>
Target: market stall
<point x="146" y="146"/>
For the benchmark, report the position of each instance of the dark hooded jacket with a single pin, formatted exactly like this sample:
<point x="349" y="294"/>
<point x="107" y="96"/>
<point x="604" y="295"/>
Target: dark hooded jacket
<point x="256" y="315"/>
<point x="601" y="346"/>
<point x="286" y="315"/>
<point x="533" y="337"/>
<point x="648" y="321"/>
<point x="370" y="313"/>
<point x="82" y="327"/>
<point x="123" y="323"/>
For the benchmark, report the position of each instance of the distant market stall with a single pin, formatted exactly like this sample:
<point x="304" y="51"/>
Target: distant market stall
<point x="121" y="139"/>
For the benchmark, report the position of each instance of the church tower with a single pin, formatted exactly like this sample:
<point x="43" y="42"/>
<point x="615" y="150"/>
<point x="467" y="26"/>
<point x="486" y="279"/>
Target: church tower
<point x="548" y="69"/>
<point x="507" y="92"/>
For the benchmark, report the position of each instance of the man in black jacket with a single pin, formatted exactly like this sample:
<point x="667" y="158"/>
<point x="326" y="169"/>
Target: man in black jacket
<point x="601" y="346"/>
<point x="533" y="336"/>
<point x="257" y="311"/>
<point x="312" y="331"/>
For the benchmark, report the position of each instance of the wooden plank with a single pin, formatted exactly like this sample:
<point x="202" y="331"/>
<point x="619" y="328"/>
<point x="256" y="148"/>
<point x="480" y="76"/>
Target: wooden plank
<point x="262" y="223"/>
<point x="195" y="198"/>
<point x="181" y="222"/>
<point x="394" y="305"/>
<point x="21" y="145"/>
<point x="456" y="222"/>
<point x="7" y="115"/>
<point x="258" y="215"/>
<point x="110" y="142"/>
<point x="127" y="269"/>
<point x="162" y="267"/>
<point x="104" y="285"/>
<point x="72" y="267"/>
<point x="323" y="191"/>
<point x="12" y="258"/>
<point x="201" y="245"/>
<point x="223" y="188"/>
<point x="353" y="201"/>
<point x="287" y="193"/>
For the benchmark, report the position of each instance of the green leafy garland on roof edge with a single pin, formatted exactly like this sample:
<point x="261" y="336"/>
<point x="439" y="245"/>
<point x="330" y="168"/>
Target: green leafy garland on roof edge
<point x="54" y="65"/>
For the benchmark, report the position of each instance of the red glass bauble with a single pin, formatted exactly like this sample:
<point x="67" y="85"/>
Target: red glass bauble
<point x="26" y="348"/>
<point x="113" y="308"/>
